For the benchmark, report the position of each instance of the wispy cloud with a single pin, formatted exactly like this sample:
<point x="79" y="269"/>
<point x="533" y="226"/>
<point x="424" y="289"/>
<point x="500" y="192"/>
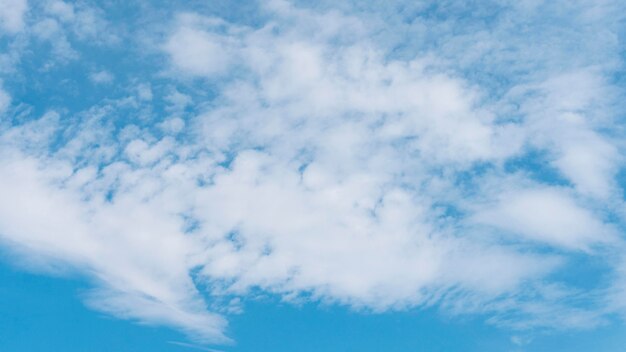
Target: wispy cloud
<point x="193" y="346"/>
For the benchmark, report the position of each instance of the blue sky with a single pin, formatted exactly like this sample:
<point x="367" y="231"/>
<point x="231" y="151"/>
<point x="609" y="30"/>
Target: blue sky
<point x="293" y="175"/>
<point x="41" y="313"/>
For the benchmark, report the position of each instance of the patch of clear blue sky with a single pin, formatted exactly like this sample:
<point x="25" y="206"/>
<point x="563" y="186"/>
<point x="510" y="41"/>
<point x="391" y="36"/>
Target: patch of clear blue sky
<point x="40" y="314"/>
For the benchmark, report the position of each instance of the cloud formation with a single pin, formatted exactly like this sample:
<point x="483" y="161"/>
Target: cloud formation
<point x="12" y="15"/>
<point x="306" y="157"/>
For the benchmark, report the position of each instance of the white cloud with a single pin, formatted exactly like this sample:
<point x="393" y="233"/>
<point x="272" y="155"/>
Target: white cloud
<point x="144" y="91"/>
<point x="63" y="27"/>
<point x="573" y="104"/>
<point x="85" y="21"/>
<point x="177" y="101"/>
<point x="173" y="125"/>
<point x="199" y="52"/>
<point x="549" y="216"/>
<point x="107" y="241"/>
<point x="12" y="15"/>
<point x="52" y="31"/>
<point x="101" y="77"/>
<point x="62" y="10"/>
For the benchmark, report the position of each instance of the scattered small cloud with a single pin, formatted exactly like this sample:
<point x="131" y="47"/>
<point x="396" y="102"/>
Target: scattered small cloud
<point x="101" y="77"/>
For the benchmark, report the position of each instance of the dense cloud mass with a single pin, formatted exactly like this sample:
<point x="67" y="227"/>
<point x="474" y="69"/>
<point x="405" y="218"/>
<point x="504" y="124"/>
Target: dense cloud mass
<point x="382" y="157"/>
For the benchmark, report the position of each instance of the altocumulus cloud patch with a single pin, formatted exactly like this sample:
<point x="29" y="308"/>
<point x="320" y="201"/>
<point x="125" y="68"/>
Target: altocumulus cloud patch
<point x="379" y="157"/>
